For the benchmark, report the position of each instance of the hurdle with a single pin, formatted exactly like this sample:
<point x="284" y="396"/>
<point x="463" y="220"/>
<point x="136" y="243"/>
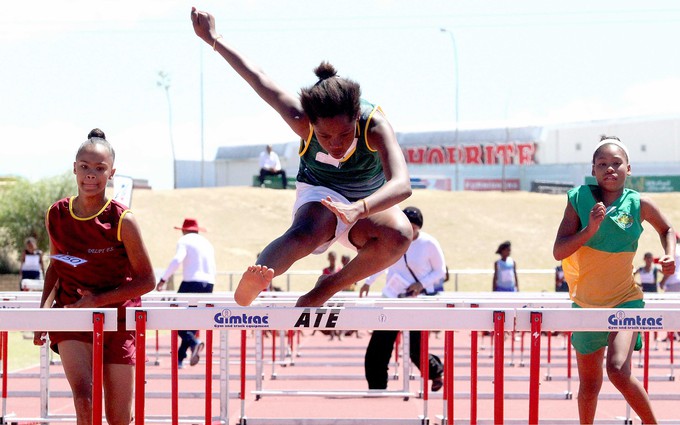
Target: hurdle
<point x="96" y="321"/>
<point x="282" y="318"/>
<point x="412" y="309"/>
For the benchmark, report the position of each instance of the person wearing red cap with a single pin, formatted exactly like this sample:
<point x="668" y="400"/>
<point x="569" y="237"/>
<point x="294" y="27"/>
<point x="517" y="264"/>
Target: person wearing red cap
<point x="197" y="256"/>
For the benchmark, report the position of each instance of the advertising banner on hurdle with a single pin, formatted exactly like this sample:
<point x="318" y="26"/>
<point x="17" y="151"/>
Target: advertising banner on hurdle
<point x="339" y="318"/>
<point x="603" y="319"/>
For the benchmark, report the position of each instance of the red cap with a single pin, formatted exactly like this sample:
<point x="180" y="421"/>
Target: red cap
<point x="191" y="225"/>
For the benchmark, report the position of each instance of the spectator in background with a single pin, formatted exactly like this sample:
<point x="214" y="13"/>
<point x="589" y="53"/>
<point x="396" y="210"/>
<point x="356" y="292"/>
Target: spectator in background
<point x="505" y="270"/>
<point x="270" y="165"/>
<point x="671" y="283"/>
<point x="31" y="261"/>
<point x="344" y="260"/>
<point x="648" y="274"/>
<point x="560" y="283"/>
<point x="417" y="271"/>
<point x="197" y="257"/>
<point x="332" y="267"/>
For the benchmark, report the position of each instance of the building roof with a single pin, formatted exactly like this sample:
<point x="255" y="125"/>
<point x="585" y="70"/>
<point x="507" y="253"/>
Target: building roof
<point x="493" y="135"/>
<point x="248" y="151"/>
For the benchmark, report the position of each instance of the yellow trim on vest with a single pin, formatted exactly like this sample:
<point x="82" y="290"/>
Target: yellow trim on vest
<point x="120" y="225"/>
<point x="368" y="121"/>
<point x="309" y="139"/>
<point x="70" y="210"/>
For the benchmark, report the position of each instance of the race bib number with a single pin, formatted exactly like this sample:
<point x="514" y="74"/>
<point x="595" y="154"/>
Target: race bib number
<point x="69" y="259"/>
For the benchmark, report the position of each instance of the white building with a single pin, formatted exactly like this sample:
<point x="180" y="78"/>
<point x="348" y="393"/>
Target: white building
<point x="490" y="159"/>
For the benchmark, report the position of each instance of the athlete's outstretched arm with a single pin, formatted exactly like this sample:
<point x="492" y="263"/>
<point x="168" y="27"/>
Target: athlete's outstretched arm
<point x="287" y="105"/>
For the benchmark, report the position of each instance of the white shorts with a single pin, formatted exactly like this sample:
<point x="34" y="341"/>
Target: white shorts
<point x="307" y="193"/>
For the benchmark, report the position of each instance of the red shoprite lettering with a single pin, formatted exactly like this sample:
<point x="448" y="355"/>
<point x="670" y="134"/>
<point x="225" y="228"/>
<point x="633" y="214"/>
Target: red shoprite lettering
<point x="476" y="154"/>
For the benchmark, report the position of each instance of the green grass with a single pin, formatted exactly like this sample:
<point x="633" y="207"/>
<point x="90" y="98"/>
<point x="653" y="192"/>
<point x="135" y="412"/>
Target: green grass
<point x="21" y="353"/>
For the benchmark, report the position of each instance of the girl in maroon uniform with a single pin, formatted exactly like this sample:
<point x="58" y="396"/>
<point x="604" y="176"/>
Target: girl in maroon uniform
<point x="108" y="266"/>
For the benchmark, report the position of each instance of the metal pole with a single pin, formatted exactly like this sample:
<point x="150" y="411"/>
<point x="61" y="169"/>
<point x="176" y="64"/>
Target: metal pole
<point x="202" y="126"/>
<point x="456" y="95"/>
<point x="164" y="83"/>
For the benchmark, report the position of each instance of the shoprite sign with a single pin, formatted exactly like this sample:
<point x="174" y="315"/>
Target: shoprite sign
<point x="648" y="183"/>
<point x="472" y="154"/>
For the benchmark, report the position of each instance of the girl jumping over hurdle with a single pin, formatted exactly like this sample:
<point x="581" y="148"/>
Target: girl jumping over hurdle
<point x="107" y="265"/>
<point x="596" y="242"/>
<point x="352" y="176"/>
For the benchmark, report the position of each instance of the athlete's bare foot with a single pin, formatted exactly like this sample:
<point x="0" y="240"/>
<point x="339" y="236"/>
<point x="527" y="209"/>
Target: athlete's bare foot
<point x="317" y="296"/>
<point x="254" y="280"/>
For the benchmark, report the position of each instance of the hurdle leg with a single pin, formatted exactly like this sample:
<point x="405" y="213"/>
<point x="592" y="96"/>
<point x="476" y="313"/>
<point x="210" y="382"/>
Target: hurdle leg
<point x="548" y="376"/>
<point x="671" y="359"/>
<point x="140" y="366"/>
<point x="498" y="340"/>
<point x="224" y="376"/>
<point x="474" y="356"/>
<point x="274" y="333"/>
<point x="283" y="348"/>
<point x="568" y="394"/>
<point x="3" y="354"/>
<point x="259" y="364"/>
<point x="157" y="362"/>
<point x="174" y="378"/>
<point x="645" y="372"/>
<point x="97" y="367"/>
<point x="208" y="375"/>
<point x="535" y="366"/>
<point x="397" y="345"/>
<point x="512" y="349"/>
<point x="45" y="380"/>
<point x="448" y="377"/>
<point x="242" y="394"/>
<point x="406" y="372"/>
<point x="425" y="370"/>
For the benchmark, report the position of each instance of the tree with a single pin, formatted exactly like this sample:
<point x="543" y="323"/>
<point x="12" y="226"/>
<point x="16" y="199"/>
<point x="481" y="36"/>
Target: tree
<point x="23" y="208"/>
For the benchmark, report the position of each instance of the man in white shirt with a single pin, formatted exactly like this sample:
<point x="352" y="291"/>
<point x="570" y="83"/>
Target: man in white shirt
<point x="421" y="269"/>
<point x="270" y="165"/>
<point x="197" y="257"/>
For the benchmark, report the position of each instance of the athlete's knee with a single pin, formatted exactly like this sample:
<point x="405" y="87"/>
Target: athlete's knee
<point x="396" y="239"/>
<point x="82" y="401"/>
<point x="618" y="371"/>
<point x="589" y="388"/>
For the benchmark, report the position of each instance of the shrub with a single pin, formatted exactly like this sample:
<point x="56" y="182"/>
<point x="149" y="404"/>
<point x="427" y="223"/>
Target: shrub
<point x="23" y="208"/>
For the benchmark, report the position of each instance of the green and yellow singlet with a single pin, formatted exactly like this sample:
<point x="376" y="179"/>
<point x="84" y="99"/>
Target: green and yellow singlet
<point x="357" y="175"/>
<point x="600" y="273"/>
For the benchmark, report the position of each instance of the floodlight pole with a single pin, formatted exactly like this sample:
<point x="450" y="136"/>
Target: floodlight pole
<point x="456" y="95"/>
<point x="164" y="83"/>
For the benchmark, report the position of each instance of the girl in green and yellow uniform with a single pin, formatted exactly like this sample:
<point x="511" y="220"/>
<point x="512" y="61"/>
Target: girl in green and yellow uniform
<point x="596" y="242"/>
<point x="352" y="176"/>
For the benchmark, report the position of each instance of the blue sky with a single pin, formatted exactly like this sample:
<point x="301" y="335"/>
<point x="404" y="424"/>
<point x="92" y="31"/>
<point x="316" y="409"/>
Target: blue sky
<point x="71" y="66"/>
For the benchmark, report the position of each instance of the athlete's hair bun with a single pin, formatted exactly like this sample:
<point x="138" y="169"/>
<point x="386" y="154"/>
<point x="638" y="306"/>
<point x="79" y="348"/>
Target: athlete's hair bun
<point x="96" y="132"/>
<point x="325" y="70"/>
